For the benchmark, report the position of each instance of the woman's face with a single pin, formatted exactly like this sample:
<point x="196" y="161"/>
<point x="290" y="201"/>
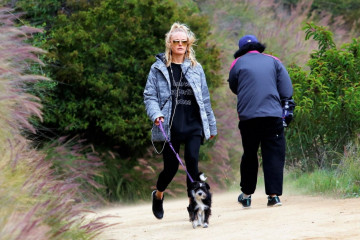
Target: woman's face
<point x="178" y="43"/>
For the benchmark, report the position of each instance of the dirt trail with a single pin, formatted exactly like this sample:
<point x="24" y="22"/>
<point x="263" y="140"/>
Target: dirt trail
<point x="300" y="217"/>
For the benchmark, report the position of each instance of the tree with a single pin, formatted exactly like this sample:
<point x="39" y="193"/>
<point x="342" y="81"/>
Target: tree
<point x="328" y="98"/>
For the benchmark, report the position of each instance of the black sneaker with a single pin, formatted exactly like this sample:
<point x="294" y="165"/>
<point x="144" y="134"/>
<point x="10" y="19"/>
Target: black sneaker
<point x="157" y="206"/>
<point x="274" y="201"/>
<point x="246" y="202"/>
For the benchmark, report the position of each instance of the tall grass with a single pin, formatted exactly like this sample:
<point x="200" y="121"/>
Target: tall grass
<point x="75" y="161"/>
<point x="343" y="180"/>
<point x="279" y="28"/>
<point x="36" y="203"/>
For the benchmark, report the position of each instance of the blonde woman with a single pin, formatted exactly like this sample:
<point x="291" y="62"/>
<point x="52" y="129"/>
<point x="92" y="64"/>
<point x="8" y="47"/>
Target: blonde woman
<point x="176" y="94"/>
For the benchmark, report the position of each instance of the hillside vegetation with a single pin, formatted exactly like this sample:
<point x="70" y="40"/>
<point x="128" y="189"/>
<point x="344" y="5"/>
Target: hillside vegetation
<point x="98" y="57"/>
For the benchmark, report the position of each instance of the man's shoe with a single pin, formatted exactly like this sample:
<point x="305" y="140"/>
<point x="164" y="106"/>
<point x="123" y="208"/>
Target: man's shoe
<point x="246" y="202"/>
<point x="274" y="201"/>
<point x="157" y="206"/>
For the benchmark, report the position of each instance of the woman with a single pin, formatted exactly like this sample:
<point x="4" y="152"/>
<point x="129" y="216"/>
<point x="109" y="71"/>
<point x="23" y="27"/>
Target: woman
<point x="176" y="94"/>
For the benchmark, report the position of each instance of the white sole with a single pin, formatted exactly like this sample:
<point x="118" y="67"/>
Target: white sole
<point x="276" y="205"/>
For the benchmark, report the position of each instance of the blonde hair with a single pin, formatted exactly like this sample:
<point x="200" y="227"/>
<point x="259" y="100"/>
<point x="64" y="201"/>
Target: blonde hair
<point x="190" y="53"/>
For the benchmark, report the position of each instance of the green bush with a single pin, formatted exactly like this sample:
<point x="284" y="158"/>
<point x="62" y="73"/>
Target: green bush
<point x="38" y="12"/>
<point x="328" y="98"/>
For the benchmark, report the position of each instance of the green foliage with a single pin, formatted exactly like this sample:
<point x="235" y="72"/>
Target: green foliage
<point x="123" y="182"/>
<point x="328" y="99"/>
<point x="38" y="12"/>
<point x="342" y="179"/>
<point x="100" y="56"/>
<point x="321" y="35"/>
<point x="349" y="168"/>
<point x="319" y="182"/>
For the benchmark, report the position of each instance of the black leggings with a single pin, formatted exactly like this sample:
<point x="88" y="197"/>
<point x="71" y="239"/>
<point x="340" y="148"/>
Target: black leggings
<point x="171" y="163"/>
<point x="269" y="133"/>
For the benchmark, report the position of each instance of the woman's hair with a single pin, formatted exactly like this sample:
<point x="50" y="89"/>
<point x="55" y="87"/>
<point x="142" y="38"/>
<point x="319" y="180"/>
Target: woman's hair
<point x="250" y="47"/>
<point x="190" y="53"/>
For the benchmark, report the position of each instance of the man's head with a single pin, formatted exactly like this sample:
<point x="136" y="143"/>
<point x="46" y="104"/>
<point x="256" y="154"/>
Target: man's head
<point x="247" y="39"/>
<point x="249" y="43"/>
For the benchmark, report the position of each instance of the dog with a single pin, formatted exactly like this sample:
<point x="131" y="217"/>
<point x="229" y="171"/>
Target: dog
<point x="200" y="203"/>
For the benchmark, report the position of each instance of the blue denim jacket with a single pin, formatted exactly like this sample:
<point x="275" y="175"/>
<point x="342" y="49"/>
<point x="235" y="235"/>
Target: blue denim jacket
<point x="157" y="96"/>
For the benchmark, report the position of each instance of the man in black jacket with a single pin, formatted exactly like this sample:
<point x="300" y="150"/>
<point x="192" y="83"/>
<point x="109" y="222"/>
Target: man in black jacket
<point x="263" y="88"/>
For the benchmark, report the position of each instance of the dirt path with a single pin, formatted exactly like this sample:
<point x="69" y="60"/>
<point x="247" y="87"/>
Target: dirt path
<point x="300" y="217"/>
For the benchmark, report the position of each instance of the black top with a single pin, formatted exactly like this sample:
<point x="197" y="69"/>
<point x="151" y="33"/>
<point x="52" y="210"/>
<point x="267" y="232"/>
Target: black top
<point x="187" y="120"/>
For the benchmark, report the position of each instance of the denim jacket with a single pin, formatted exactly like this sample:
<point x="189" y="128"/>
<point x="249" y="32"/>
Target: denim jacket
<point x="157" y="96"/>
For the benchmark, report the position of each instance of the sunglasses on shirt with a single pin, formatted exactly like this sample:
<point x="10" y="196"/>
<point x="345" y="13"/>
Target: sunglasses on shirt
<point x="177" y="42"/>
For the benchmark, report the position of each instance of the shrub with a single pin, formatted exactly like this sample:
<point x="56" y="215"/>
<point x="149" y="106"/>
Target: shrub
<point x="328" y="98"/>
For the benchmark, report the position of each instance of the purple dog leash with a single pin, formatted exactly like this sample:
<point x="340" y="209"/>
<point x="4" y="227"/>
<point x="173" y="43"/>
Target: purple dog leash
<point x="177" y="155"/>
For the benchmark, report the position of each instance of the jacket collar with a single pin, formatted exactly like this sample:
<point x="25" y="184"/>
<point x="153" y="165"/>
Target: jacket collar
<point x="161" y="64"/>
<point x="160" y="61"/>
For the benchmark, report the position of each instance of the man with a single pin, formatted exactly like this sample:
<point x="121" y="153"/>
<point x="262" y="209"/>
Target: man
<point x="263" y="88"/>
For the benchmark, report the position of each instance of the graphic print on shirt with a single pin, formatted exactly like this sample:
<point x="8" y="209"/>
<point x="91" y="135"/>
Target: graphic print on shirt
<point x="187" y="119"/>
<point x="184" y="90"/>
<point x="180" y="87"/>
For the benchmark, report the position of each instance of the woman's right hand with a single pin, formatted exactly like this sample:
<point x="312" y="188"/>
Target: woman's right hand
<point x="158" y="119"/>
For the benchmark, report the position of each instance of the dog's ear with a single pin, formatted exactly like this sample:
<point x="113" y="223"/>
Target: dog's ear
<point x="193" y="185"/>
<point x="202" y="177"/>
<point x="207" y="186"/>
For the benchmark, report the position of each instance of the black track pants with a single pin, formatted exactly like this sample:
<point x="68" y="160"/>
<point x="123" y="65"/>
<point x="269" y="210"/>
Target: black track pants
<point x="267" y="132"/>
<point x="171" y="163"/>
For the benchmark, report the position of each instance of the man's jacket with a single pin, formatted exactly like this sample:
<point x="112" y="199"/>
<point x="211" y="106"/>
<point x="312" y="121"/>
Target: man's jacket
<point x="261" y="83"/>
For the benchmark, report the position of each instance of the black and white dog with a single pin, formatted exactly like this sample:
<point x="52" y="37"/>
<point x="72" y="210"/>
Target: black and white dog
<point x="200" y="203"/>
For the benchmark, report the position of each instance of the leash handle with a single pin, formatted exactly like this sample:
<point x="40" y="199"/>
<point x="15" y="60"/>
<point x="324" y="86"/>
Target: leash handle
<point x="172" y="148"/>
